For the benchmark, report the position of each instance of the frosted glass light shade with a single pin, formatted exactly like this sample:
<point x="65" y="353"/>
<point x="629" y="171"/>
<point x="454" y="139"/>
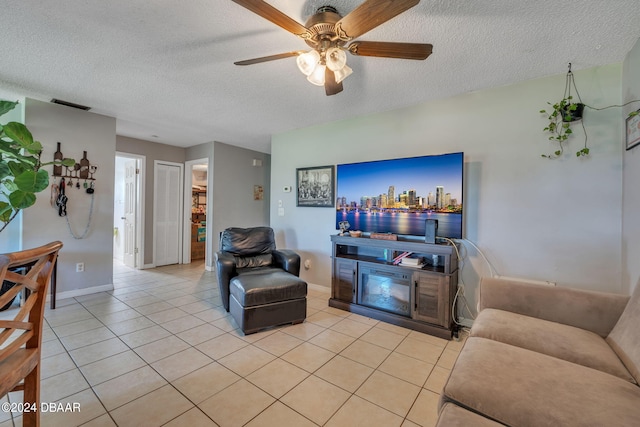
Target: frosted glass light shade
<point x="336" y="59"/>
<point x="342" y="73"/>
<point x="307" y="61"/>
<point x="317" y="76"/>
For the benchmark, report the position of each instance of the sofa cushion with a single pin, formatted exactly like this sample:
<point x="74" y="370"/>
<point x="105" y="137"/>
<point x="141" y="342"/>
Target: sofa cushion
<point x="554" y="339"/>
<point x="520" y="387"/>
<point x="625" y="336"/>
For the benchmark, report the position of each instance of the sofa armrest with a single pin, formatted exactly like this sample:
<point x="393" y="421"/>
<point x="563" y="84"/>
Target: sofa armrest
<point x="225" y="271"/>
<point x="594" y="311"/>
<point x="288" y="260"/>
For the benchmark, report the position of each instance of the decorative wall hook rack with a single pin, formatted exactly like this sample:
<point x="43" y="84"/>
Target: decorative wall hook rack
<point x="82" y="170"/>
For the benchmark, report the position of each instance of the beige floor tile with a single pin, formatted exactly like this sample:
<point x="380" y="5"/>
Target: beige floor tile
<point x="332" y="340"/>
<point x="302" y="399"/>
<point x="277" y="377"/>
<point x="58" y="387"/>
<point x="65" y="315"/>
<point x="137" y="413"/>
<point x="180" y="364"/>
<point x="102" y="421"/>
<point x="337" y="311"/>
<point x="77" y="327"/>
<point x="125" y="388"/>
<point x="192" y="418"/>
<point x="393" y="328"/>
<point x="55" y="365"/>
<point x="389" y="392"/>
<point x="236" y="404"/>
<point x="408" y="423"/>
<point x="406" y="368"/>
<point x="324" y="319"/>
<point x="345" y="373"/>
<point x="139" y="302"/>
<point x="212" y="315"/>
<point x="358" y="412"/>
<point x="93" y="336"/>
<point x="100" y="350"/>
<point x="317" y="303"/>
<point x="221" y="346"/>
<point x="198" y="306"/>
<point x="352" y="328"/>
<point x="110" y="307"/>
<point x="200" y="334"/>
<point x="203" y="383"/>
<point x="111" y="367"/>
<point x="425" y="410"/>
<point x="90" y="408"/>
<point x="437" y="379"/>
<point x="130" y="325"/>
<point x="366" y="353"/>
<point x="363" y="319"/>
<point x="144" y="336"/>
<point x="278" y="343"/>
<point x="160" y="349"/>
<point x="303" y="331"/>
<point x="51" y="348"/>
<point x="421" y="350"/>
<point x="168" y="315"/>
<point x="420" y="336"/>
<point x="183" y="300"/>
<point x="382" y="338"/>
<point x="153" y="308"/>
<point x="308" y="356"/>
<point x="279" y="415"/>
<point x="118" y="316"/>
<point x="448" y="359"/>
<point x="254" y="337"/>
<point x="246" y="360"/>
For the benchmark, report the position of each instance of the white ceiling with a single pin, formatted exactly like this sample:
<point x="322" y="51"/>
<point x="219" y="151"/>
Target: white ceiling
<point x="164" y="68"/>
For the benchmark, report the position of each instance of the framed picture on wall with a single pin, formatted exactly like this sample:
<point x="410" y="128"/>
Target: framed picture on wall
<point x="315" y="186"/>
<point x="633" y="130"/>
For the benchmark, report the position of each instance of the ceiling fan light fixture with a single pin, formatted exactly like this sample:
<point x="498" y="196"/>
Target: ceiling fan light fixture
<point x="336" y="59"/>
<point x="342" y="73"/>
<point x="307" y="61"/>
<point x="317" y="76"/>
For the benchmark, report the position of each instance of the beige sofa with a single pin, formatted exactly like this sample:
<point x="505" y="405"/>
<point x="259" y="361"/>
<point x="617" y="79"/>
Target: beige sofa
<point x="547" y="356"/>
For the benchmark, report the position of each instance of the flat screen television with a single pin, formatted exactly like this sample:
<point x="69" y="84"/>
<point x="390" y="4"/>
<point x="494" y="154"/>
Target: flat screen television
<point x="399" y="195"/>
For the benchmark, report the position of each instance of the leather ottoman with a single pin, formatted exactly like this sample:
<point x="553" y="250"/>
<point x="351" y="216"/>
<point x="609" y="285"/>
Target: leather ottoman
<point x="268" y="299"/>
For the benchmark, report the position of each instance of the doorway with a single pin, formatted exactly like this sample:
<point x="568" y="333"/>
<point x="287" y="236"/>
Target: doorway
<point x="128" y="210"/>
<point x="195" y="210"/>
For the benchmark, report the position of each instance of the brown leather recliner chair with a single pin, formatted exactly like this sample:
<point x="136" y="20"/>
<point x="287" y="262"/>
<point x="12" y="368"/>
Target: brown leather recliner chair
<point x="259" y="285"/>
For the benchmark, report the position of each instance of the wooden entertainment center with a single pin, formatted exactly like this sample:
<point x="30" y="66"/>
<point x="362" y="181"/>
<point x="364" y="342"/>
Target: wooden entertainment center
<point x="369" y="279"/>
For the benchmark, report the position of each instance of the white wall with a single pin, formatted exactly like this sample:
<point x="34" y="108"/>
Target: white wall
<point x="556" y="220"/>
<point x="234" y="177"/>
<point x="78" y="131"/>
<point x="118" y="209"/>
<point x="631" y="177"/>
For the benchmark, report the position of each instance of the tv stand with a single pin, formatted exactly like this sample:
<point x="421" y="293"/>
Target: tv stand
<point x="368" y="279"/>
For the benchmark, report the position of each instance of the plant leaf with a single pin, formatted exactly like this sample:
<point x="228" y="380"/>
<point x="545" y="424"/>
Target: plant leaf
<point x="22" y="200"/>
<point x="6" y="106"/>
<point x="19" y="133"/>
<point x="32" y="182"/>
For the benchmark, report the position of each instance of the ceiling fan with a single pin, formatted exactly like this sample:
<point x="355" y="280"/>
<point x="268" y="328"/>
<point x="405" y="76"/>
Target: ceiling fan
<point x="327" y="33"/>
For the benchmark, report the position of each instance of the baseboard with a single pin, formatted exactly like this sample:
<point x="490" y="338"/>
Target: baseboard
<point x="147" y="266"/>
<point x="79" y="292"/>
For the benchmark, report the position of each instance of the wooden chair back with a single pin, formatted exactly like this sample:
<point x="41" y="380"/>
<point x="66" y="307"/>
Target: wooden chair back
<point x="21" y="338"/>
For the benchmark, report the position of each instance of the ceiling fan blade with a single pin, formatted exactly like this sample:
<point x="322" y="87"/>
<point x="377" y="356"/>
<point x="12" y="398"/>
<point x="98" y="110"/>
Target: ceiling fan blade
<point x="391" y="49"/>
<point x="269" y="58"/>
<point x="369" y="15"/>
<point x="272" y="14"/>
<point x="331" y="87"/>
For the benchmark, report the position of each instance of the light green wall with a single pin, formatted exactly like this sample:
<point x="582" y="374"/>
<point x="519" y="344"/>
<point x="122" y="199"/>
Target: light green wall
<point x="556" y="220"/>
<point x="631" y="195"/>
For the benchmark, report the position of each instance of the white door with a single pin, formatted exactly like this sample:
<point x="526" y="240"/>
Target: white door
<point x="167" y="213"/>
<point x="130" y="204"/>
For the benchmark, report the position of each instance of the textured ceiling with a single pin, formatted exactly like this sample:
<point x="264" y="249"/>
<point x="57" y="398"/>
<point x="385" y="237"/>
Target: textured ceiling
<point x="165" y="68"/>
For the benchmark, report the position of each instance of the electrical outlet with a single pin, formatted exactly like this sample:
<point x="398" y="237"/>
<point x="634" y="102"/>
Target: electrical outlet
<point x="80" y="267"/>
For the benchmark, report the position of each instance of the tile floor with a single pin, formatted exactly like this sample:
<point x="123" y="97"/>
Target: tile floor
<point x="161" y="351"/>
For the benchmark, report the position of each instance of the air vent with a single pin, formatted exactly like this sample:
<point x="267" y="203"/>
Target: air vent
<point x="70" y="104"/>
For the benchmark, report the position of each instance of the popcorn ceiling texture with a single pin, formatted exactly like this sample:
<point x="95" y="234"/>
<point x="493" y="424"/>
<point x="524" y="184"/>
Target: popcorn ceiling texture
<point x="166" y="68"/>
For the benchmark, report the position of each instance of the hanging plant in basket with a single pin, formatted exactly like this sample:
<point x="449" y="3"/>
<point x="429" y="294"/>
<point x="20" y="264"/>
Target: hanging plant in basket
<point x="561" y="115"/>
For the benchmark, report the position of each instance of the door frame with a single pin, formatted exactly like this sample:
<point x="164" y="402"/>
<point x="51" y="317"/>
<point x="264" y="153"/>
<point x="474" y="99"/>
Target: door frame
<point x="188" y="182"/>
<point x="180" y="199"/>
<point x="140" y="206"/>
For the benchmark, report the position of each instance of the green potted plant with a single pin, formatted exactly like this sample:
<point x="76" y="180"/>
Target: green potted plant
<point x="21" y="173"/>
